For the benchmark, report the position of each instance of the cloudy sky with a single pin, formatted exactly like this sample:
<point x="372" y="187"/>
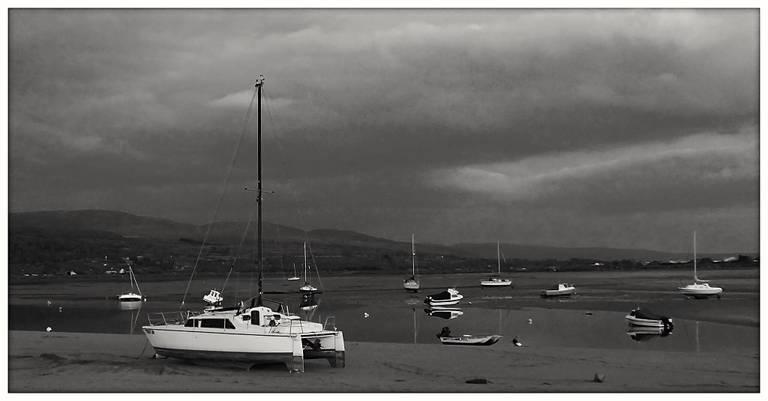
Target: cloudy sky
<point x="619" y="128"/>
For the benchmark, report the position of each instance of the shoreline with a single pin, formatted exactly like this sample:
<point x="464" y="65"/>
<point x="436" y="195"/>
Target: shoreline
<point x="90" y="362"/>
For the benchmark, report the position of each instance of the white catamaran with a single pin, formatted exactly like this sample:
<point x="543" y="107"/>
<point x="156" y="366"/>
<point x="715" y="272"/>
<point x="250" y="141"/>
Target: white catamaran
<point x="412" y="284"/>
<point x="496" y="280"/>
<point x="251" y="332"/>
<point x="699" y="288"/>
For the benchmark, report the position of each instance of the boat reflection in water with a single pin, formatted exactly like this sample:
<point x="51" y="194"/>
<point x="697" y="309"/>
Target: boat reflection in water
<point x="444" y="313"/>
<point x="638" y="333"/>
<point x="130" y="305"/>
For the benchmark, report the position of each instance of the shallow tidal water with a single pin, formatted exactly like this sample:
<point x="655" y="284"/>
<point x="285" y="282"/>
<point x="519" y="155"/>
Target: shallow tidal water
<point x="376" y="309"/>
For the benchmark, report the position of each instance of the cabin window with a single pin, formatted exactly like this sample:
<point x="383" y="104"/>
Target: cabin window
<point x="255" y="317"/>
<point x="246" y="318"/>
<point x="190" y="323"/>
<point x="228" y="324"/>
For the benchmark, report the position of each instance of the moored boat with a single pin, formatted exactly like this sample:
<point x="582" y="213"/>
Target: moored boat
<point x="699" y="288"/>
<point x="412" y="283"/>
<point x="250" y="332"/>
<point x="446" y="338"/>
<point x="131" y="297"/>
<point x="636" y="317"/>
<point x="448" y="297"/>
<point x="496" y="280"/>
<point x="562" y="290"/>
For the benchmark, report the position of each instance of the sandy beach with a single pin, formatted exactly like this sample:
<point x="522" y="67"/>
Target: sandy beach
<point x="89" y="362"/>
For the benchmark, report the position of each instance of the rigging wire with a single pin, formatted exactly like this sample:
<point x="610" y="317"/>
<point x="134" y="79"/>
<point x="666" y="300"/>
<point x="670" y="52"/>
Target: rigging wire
<point x="221" y="195"/>
<point x="237" y="251"/>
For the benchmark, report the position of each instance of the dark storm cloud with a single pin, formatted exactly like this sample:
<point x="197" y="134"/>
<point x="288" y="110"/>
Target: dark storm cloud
<point x="376" y="119"/>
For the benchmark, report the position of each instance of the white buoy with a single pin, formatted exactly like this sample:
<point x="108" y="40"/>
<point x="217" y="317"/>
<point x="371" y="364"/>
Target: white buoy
<point x="530" y="321"/>
<point x="48" y="302"/>
<point x="48" y="329"/>
<point x="366" y="315"/>
<point x="61" y="308"/>
<point x="516" y="342"/>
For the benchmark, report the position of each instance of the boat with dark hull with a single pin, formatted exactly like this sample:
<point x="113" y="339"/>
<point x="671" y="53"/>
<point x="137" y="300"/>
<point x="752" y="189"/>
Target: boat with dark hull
<point x="636" y="317"/>
<point x="448" y="297"/>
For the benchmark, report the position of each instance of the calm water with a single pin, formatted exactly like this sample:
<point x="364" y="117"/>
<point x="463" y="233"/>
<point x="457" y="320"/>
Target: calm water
<point x="392" y="315"/>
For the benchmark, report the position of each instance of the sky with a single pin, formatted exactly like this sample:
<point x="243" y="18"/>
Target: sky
<point x="577" y="128"/>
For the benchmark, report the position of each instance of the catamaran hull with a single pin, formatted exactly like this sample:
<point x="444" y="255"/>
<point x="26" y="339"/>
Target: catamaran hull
<point x="246" y="348"/>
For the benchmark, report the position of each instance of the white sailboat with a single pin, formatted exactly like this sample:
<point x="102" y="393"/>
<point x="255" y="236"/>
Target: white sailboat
<point x="699" y="288"/>
<point x="294" y="277"/>
<point x="307" y="287"/>
<point x="131" y="298"/>
<point x="250" y="332"/>
<point x="412" y="284"/>
<point x="496" y="280"/>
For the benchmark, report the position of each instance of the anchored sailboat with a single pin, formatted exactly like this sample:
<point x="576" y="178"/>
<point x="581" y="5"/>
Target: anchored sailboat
<point x="496" y="280"/>
<point x="130" y="296"/>
<point x="700" y="288"/>
<point x="250" y="332"/>
<point x="307" y="287"/>
<point x="412" y="283"/>
<point x="294" y="277"/>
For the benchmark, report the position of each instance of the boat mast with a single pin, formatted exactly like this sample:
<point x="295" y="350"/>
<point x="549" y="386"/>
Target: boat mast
<point x="259" y="247"/>
<point x="498" y="256"/>
<point x="413" y="256"/>
<point x="305" y="263"/>
<point x="695" y="277"/>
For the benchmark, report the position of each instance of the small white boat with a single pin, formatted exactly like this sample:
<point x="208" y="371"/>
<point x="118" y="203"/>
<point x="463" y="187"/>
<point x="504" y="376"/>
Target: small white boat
<point x="412" y="283"/>
<point x="648" y="319"/>
<point x="699" y="288"/>
<point x="213" y="298"/>
<point x="308" y="302"/>
<point x="131" y="296"/>
<point x="496" y="280"/>
<point x="448" y="297"/>
<point x="294" y="277"/>
<point x="466" y="339"/>
<point x="563" y="289"/>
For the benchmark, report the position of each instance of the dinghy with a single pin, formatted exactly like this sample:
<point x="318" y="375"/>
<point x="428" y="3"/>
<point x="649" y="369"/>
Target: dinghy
<point x="648" y="319"/>
<point x="466" y="339"/>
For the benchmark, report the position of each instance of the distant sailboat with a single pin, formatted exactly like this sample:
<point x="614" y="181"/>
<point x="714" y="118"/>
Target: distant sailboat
<point x="131" y="297"/>
<point x="294" y="277"/>
<point x="307" y="287"/>
<point x="699" y="288"/>
<point x="412" y="283"/>
<point x="496" y="280"/>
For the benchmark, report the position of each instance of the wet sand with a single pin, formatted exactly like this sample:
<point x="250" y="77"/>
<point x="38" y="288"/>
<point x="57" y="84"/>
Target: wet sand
<point x="86" y="362"/>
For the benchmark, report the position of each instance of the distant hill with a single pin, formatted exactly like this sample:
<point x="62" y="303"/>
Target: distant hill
<point x="132" y="226"/>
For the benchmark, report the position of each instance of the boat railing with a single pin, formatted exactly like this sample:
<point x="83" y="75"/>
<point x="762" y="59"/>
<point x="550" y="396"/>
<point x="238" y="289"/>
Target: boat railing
<point x="169" y="318"/>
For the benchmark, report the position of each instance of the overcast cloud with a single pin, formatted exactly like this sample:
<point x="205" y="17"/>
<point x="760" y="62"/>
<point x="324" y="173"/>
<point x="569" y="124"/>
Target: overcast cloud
<point x="623" y="128"/>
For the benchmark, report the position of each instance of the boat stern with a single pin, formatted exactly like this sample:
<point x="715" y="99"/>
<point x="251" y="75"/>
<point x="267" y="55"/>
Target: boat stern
<point x="327" y="345"/>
